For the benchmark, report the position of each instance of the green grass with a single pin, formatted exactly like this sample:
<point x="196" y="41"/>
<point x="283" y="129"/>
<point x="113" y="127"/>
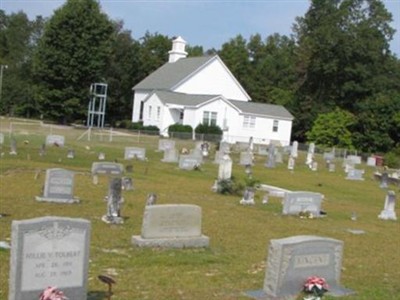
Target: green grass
<point x="239" y="236"/>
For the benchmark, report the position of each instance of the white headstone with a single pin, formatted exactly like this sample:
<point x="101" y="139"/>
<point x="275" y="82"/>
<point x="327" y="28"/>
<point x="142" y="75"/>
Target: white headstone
<point x="57" y="140"/>
<point x="225" y="168"/>
<point x="389" y="212"/>
<point x="59" y="187"/>
<point x="296" y="202"/>
<point x="171" y="226"/>
<point x="135" y="152"/>
<point x="293" y="152"/>
<point x="49" y="251"/>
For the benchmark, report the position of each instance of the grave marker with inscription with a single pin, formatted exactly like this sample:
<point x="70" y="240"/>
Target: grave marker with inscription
<point x="355" y="174"/>
<point x="296" y="202"/>
<point x="135" y="152"/>
<point x="189" y="162"/>
<point x="171" y="226"/>
<point x="164" y="144"/>
<point x="59" y="187"/>
<point x="106" y="168"/>
<point x="170" y="155"/>
<point x="292" y="260"/>
<point x="49" y="251"/>
<point x="53" y="139"/>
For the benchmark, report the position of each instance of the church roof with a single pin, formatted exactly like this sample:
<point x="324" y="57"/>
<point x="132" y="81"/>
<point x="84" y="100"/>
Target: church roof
<point x="170" y="74"/>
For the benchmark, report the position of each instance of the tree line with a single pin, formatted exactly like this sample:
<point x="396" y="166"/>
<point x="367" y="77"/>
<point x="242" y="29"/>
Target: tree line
<point x="335" y="73"/>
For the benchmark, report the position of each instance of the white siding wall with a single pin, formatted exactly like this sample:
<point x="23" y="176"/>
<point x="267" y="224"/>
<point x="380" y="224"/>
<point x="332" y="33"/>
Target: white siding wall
<point x="262" y="132"/>
<point x="137" y="98"/>
<point x="213" y="80"/>
<point x="153" y="119"/>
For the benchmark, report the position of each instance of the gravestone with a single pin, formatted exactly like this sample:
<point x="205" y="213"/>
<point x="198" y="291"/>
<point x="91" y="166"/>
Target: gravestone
<point x="225" y="168"/>
<point x="329" y="156"/>
<point x="246" y="158"/>
<point x="331" y="167"/>
<point x="49" y="251"/>
<point x="389" y="212"/>
<point x="13" y="147"/>
<point x="170" y="155"/>
<point x="262" y="150"/>
<point x="371" y="161"/>
<point x="164" y="144"/>
<point x="248" y="197"/>
<point x="56" y="140"/>
<point x="291" y="163"/>
<point x="271" y="156"/>
<point x="355" y="174"/>
<point x="135" y="152"/>
<point x="310" y="155"/>
<point x="356" y="160"/>
<point x="384" y="180"/>
<point x="189" y="162"/>
<point x="127" y="184"/>
<point x="205" y="149"/>
<point x="42" y="150"/>
<point x="314" y="166"/>
<point x="293" y="151"/>
<point x="1" y="138"/>
<point x="114" y="202"/>
<point x="102" y="156"/>
<point x="293" y="259"/>
<point x="71" y="153"/>
<point x="224" y="147"/>
<point x="300" y="201"/>
<point x="106" y="168"/>
<point x="58" y="187"/>
<point x="171" y="226"/>
<point x="151" y="199"/>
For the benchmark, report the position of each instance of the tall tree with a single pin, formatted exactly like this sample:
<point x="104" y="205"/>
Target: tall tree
<point x="343" y="50"/>
<point x="17" y="41"/>
<point x="122" y="73"/>
<point x="72" y="54"/>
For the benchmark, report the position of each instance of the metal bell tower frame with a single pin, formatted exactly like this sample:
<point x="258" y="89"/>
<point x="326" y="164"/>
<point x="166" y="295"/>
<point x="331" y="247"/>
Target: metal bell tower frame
<point x="97" y="105"/>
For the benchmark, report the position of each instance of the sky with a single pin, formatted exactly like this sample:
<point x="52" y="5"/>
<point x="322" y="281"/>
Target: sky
<point x="207" y="23"/>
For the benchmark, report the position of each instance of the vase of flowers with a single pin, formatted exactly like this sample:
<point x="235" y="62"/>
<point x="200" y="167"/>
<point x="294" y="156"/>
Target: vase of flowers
<point x="52" y="293"/>
<point x="315" y="287"/>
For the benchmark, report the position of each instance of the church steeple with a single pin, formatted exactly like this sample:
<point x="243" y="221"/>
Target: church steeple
<point x="178" y="50"/>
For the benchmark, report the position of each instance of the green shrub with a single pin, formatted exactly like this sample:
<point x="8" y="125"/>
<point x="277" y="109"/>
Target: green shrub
<point x="392" y="158"/>
<point x="208" y="129"/>
<point x="179" y="128"/>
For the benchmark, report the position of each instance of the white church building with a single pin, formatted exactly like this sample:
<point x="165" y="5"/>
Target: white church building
<point x="196" y="90"/>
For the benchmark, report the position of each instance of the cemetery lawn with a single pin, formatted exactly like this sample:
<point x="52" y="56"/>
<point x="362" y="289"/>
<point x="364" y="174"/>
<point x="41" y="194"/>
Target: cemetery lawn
<point x="239" y="236"/>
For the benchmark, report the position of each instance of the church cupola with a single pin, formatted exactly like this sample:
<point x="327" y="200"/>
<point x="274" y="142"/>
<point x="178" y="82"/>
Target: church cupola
<point x="178" y="50"/>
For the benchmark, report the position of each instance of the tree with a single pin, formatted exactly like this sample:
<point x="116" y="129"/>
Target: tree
<point x="343" y="49"/>
<point x="121" y="74"/>
<point x="72" y="54"/>
<point x="17" y="41"/>
<point x="332" y="129"/>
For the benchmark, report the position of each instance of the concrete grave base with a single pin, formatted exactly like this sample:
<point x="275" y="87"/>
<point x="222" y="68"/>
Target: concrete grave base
<point x="57" y="200"/>
<point x="112" y="220"/>
<point x="334" y="291"/>
<point x="181" y="242"/>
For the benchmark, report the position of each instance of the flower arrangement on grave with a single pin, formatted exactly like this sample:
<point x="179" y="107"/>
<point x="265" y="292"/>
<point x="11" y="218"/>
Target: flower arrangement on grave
<point x="316" y="287"/>
<point x="52" y="293"/>
<point x="305" y="214"/>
